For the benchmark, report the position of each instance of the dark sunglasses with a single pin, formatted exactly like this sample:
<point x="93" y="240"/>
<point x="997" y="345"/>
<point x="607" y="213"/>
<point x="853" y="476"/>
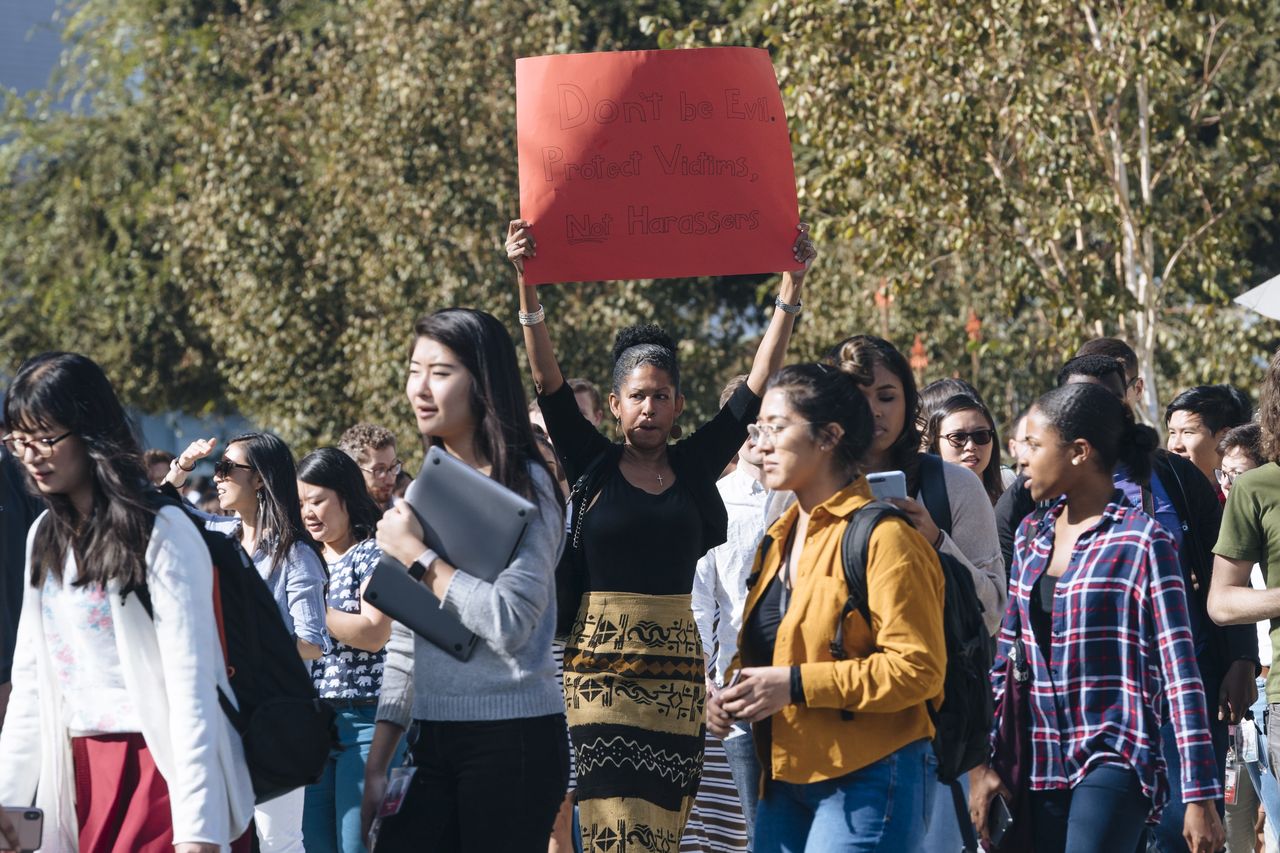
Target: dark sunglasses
<point x="979" y="437"/>
<point x="223" y="467"/>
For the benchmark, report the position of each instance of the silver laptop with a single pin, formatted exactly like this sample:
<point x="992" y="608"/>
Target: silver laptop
<point x="474" y="523"/>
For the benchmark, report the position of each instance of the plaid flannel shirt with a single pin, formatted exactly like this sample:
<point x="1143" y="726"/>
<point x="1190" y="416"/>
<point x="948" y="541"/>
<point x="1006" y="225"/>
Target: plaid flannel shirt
<point x="1121" y="652"/>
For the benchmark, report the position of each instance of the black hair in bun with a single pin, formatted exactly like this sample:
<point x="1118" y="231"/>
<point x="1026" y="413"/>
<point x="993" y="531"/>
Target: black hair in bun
<point x="640" y="345"/>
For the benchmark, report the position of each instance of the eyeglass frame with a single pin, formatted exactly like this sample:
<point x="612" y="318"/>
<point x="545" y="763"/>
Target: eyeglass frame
<point x="44" y="447"/>
<point x="392" y="470"/>
<point x="970" y="435"/>
<point x="770" y="431"/>
<point x="1227" y="478"/>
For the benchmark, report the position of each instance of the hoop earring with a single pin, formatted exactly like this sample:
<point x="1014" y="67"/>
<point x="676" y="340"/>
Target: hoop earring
<point x="676" y="431"/>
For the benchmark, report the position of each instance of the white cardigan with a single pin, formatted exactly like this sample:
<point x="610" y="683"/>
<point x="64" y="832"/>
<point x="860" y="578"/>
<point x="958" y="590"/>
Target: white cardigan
<point x="172" y="666"/>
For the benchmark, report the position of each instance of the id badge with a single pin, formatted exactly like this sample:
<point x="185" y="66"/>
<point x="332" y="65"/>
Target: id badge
<point x="1248" y="742"/>
<point x="1233" y="772"/>
<point x="397" y="788"/>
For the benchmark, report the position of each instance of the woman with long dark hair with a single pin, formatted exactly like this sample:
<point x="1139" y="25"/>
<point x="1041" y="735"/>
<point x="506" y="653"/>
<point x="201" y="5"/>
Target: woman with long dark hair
<point x="341" y="516"/>
<point x="114" y="729"/>
<point x="961" y="431"/>
<point x="492" y="753"/>
<point x="835" y="781"/>
<point x="1098" y="613"/>
<point x="635" y="676"/>
<point x="258" y="482"/>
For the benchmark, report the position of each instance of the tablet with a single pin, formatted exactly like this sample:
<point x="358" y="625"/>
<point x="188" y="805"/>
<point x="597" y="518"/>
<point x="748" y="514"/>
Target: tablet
<point x="474" y="523"/>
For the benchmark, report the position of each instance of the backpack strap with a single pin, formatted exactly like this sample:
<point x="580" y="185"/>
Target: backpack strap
<point x="854" y="546"/>
<point x="933" y="491"/>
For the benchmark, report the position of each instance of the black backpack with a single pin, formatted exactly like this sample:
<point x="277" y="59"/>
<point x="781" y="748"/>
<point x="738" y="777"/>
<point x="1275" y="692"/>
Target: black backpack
<point x="963" y="722"/>
<point x="288" y="731"/>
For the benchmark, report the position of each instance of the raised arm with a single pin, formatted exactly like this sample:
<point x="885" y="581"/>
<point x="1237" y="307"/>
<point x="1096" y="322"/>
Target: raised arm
<point x="547" y="377"/>
<point x="773" y="346"/>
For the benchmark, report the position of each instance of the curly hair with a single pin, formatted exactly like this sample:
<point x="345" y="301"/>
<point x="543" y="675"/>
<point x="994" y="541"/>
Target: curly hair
<point x="1269" y="410"/>
<point x="641" y="345"/>
<point x="362" y="438"/>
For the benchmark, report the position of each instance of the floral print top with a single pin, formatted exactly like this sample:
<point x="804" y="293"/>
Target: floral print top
<point x="82" y="643"/>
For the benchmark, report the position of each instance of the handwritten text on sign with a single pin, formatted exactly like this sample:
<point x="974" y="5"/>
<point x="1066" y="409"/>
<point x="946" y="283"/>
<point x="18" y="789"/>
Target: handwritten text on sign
<point x="654" y="164"/>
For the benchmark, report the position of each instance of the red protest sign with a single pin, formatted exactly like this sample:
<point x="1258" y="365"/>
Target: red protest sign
<point x="654" y="164"/>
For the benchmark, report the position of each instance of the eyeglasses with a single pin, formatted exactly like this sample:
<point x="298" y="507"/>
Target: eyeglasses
<point x="43" y="447"/>
<point x="383" y="470"/>
<point x="223" y="468"/>
<point x="1226" y="478"/>
<point x="980" y="437"/>
<point x="769" y="432"/>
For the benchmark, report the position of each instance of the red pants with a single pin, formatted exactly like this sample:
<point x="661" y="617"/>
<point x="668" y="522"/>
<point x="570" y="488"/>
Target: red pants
<point x="122" y="802"/>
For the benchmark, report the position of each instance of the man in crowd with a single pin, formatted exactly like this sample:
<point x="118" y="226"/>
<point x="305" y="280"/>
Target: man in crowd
<point x="1199" y="418"/>
<point x="590" y="403"/>
<point x="1251" y="534"/>
<point x="1183" y="501"/>
<point x="157" y="463"/>
<point x="374" y="449"/>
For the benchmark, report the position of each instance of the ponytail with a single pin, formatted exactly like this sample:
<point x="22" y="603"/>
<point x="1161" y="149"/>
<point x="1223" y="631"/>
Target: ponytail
<point x="1138" y="443"/>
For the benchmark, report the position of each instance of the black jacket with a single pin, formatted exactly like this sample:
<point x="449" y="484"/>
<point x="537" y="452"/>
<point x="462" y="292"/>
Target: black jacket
<point x="18" y="509"/>
<point x="1198" y="508"/>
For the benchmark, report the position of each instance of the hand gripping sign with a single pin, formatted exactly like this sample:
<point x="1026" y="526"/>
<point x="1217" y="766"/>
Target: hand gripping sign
<point x="654" y="164"/>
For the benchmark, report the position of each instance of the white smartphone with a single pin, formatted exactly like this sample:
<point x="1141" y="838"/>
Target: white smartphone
<point x="888" y="484"/>
<point x="29" y="823"/>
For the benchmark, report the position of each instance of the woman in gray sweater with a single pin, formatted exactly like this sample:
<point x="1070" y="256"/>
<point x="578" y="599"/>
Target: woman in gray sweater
<point x="491" y="755"/>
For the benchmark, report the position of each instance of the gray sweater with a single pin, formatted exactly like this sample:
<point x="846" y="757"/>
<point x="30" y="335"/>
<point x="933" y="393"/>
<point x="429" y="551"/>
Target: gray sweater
<point x="511" y="674"/>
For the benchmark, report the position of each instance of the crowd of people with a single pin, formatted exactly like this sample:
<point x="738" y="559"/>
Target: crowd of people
<point x="675" y="600"/>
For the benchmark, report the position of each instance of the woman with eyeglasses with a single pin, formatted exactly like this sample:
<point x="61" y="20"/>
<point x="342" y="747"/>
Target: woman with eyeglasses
<point x="340" y="514"/>
<point x="649" y="509"/>
<point x="844" y="740"/>
<point x="257" y="481"/>
<point x="114" y="729"/>
<point x="962" y="431"/>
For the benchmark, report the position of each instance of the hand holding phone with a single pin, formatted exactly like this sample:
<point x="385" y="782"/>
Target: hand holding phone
<point x="21" y="829"/>
<point x="999" y="820"/>
<point x="888" y="484"/>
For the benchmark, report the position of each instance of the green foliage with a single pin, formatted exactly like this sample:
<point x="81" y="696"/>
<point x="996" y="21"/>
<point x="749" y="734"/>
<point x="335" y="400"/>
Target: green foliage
<point x="254" y="200"/>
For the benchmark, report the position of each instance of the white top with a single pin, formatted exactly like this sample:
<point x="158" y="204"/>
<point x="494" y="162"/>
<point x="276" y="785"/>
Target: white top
<point x="1264" y="627"/>
<point x="720" y="580"/>
<point x="81" y="637"/>
<point x="172" y="665"/>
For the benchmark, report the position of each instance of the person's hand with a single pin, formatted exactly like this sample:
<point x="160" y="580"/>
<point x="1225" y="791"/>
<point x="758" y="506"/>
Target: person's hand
<point x="984" y="784"/>
<point x="196" y="847"/>
<point x="1238" y="692"/>
<point x="400" y="534"/>
<point x="375" y="790"/>
<point x="804" y="251"/>
<point x="719" y="721"/>
<point x="919" y="517"/>
<point x="196" y="450"/>
<point x="1202" y="828"/>
<point x="8" y="832"/>
<point x="520" y="243"/>
<point x="761" y="692"/>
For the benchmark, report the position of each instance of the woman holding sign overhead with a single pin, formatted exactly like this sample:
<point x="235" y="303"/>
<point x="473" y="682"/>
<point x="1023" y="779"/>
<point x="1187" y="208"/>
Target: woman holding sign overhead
<point x="634" y="674"/>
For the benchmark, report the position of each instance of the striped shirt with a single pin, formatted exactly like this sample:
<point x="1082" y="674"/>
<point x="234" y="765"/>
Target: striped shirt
<point x="1121" y="653"/>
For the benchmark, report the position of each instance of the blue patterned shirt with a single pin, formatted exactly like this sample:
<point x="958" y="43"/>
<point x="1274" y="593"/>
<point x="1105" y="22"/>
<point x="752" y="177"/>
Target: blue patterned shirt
<point x="1121" y="649"/>
<point x="346" y="672"/>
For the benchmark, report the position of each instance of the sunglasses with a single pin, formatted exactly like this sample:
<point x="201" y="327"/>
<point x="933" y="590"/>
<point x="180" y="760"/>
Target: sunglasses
<point x="979" y="437"/>
<point x="223" y="468"/>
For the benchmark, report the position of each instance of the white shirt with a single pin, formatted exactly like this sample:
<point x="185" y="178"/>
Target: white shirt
<point x="172" y="665"/>
<point x="720" y="580"/>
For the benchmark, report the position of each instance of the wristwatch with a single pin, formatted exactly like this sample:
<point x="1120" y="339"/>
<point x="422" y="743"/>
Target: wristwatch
<point x="419" y="567"/>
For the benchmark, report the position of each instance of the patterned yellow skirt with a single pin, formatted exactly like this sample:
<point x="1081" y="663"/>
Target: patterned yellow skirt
<point x="636" y="693"/>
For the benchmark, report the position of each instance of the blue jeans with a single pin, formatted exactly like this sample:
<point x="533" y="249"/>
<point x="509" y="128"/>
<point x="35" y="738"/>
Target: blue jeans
<point x="745" y="767"/>
<point x="1107" y="804"/>
<point x="942" y="834"/>
<point x="880" y="807"/>
<point x="331" y="817"/>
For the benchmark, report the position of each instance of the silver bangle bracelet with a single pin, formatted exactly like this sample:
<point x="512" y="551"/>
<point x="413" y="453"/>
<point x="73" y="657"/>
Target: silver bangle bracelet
<point x="533" y="319"/>
<point x="787" y="307"/>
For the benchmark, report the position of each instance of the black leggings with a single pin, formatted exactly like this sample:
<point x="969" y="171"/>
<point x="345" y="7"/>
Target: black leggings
<point x="482" y="787"/>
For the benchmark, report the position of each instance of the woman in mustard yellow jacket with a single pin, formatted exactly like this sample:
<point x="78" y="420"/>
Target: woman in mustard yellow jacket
<point x="845" y="744"/>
